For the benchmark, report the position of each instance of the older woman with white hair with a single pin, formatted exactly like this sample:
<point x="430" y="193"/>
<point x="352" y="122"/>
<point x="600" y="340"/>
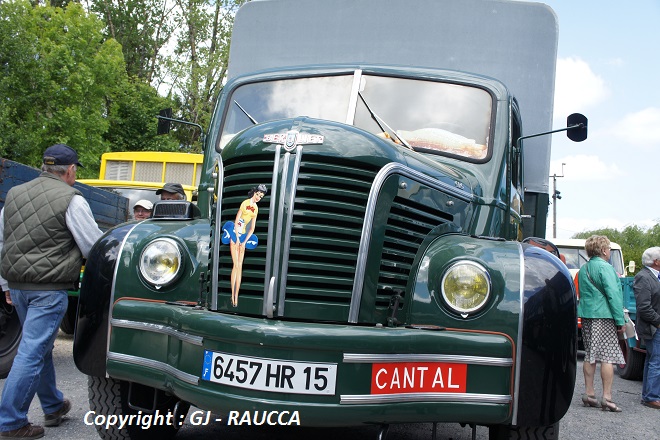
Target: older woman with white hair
<point x="601" y="310"/>
<point x="647" y="296"/>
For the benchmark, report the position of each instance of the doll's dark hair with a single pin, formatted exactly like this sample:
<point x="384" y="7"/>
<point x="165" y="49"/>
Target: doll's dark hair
<point x="259" y="188"/>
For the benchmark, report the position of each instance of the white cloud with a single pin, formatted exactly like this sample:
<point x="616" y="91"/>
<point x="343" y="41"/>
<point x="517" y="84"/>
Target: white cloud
<point x="584" y="167"/>
<point x="640" y="129"/>
<point x="577" y="87"/>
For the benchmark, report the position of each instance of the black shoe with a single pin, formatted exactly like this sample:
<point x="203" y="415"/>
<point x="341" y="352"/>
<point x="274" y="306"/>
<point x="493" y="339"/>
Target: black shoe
<point x="26" y="432"/>
<point x="54" y="419"/>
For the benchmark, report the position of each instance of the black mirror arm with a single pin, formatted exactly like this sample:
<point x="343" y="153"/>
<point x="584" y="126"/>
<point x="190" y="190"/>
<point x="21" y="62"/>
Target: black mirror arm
<point x="570" y="127"/>
<point x="201" y="129"/>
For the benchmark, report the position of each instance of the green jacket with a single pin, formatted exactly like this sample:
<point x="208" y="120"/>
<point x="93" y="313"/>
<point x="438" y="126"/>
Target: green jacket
<point x="606" y="302"/>
<point x="39" y="251"/>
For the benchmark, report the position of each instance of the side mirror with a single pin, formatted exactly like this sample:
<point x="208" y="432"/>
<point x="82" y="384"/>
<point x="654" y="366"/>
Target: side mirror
<point x="164" y="121"/>
<point x="577" y="127"/>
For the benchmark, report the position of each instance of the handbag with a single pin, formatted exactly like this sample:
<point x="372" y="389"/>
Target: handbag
<point x="629" y="330"/>
<point x="629" y="327"/>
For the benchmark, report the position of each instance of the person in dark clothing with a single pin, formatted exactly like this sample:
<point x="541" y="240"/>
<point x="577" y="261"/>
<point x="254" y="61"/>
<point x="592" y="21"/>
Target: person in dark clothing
<point x="46" y="229"/>
<point x="647" y="297"/>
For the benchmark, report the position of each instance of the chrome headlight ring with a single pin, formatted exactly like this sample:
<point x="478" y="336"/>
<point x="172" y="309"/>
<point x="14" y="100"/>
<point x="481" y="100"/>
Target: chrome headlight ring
<point x="466" y="287"/>
<point x="161" y="262"/>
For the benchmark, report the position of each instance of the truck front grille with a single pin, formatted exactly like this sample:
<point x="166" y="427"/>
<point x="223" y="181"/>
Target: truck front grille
<point x="330" y="202"/>
<point x="408" y="223"/>
<point x="317" y="239"/>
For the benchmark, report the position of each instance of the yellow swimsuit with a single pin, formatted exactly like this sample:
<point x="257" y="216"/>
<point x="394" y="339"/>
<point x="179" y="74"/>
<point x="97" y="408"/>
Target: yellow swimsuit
<point x="248" y="213"/>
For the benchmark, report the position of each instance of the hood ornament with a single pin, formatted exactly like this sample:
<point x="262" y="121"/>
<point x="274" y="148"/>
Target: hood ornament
<point x="292" y="138"/>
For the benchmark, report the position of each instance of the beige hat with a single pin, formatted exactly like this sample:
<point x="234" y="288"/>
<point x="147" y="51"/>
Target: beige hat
<point x="146" y="204"/>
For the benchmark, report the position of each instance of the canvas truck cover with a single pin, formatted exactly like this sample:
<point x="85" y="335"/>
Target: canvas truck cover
<point x="514" y="42"/>
<point x="109" y="209"/>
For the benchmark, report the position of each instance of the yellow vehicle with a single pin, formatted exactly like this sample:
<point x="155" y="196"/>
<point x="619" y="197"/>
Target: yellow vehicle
<point x="138" y="175"/>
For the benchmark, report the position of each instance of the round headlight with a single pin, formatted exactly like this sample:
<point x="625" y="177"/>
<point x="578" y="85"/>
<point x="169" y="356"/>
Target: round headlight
<point x="160" y="262"/>
<point x="466" y="287"/>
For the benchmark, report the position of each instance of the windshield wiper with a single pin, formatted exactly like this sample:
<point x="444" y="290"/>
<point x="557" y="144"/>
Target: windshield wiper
<point x="254" y="121"/>
<point x="381" y="122"/>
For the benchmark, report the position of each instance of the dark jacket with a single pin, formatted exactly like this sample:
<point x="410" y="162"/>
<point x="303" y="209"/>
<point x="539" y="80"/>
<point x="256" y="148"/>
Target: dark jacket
<point x="647" y="296"/>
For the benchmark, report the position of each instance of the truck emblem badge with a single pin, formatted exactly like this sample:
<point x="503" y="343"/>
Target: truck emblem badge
<point x="293" y="138"/>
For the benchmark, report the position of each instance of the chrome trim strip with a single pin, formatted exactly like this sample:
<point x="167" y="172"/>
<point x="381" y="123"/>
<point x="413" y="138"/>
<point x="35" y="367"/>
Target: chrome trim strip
<point x="217" y="236"/>
<point x="271" y="227"/>
<point x="277" y="263"/>
<point x="521" y="319"/>
<point x="365" y="240"/>
<point x="112" y="289"/>
<point x="358" y="358"/>
<point x="269" y="299"/>
<point x="158" y="328"/>
<point x="366" y="399"/>
<point x="154" y="365"/>
<point x="287" y="231"/>
<point x="352" y="103"/>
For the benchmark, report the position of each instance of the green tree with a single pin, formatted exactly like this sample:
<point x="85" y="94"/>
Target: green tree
<point x="633" y="240"/>
<point x="58" y="74"/>
<point x="131" y="115"/>
<point x="142" y="27"/>
<point x="181" y="48"/>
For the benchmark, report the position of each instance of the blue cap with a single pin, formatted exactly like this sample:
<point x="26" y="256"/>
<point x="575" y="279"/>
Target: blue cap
<point x="60" y="154"/>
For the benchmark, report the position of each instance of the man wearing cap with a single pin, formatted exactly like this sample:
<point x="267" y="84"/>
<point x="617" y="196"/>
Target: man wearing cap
<point x="142" y="209"/>
<point x="46" y="229"/>
<point x="172" y="191"/>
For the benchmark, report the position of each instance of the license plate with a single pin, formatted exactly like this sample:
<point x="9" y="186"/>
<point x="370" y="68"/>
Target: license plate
<point x="418" y="377"/>
<point x="273" y="375"/>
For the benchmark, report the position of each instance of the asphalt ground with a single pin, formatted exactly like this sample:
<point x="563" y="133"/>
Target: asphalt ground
<point x="635" y="422"/>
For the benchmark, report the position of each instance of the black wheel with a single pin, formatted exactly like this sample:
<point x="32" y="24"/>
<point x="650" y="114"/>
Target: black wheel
<point x="504" y="432"/>
<point x="68" y="324"/>
<point x="111" y="397"/>
<point x="634" y="367"/>
<point x="10" y="336"/>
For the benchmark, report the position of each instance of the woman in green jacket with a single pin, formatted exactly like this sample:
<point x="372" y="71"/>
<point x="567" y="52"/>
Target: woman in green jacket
<point x="601" y="310"/>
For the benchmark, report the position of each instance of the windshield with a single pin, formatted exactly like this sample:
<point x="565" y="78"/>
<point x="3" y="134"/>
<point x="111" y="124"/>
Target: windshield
<point x="134" y="194"/>
<point x="429" y="116"/>
<point x="577" y="257"/>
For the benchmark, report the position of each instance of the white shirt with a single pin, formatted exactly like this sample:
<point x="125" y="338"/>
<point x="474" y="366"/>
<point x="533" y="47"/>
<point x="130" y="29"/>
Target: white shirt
<point x="79" y="221"/>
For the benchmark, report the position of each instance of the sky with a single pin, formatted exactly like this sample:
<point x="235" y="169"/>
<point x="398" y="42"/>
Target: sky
<point x="608" y="68"/>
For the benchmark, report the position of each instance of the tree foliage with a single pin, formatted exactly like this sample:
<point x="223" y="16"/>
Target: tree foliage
<point x="63" y="80"/>
<point x="96" y="78"/>
<point x="57" y="74"/>
<point x="633" y="240"/>
<point x="179" y="47"/>
<point x="142" y="27"/>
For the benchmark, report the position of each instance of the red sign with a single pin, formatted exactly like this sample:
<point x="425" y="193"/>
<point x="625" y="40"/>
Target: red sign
<point x="418" y="377"/>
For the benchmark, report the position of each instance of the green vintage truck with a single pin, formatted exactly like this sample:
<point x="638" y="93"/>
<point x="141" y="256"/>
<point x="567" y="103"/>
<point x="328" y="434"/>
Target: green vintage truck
<point x="375" y="148"/>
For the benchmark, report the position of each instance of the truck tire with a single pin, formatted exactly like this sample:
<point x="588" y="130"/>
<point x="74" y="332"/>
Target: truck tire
<point x="10" y="336"/>
<point x="109" y="396"/>
<point x="68" y="324"/>
<point x="634" y="367"/>
<point x="510" y="432"/>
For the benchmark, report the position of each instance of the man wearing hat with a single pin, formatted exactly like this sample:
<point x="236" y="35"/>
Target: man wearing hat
<point x="46" y="229"/>
<point x="142" y="209"/>
<point x="172" y="191"/>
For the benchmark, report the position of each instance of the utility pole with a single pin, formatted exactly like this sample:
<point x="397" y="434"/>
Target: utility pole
<point x="556" y="195"/>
